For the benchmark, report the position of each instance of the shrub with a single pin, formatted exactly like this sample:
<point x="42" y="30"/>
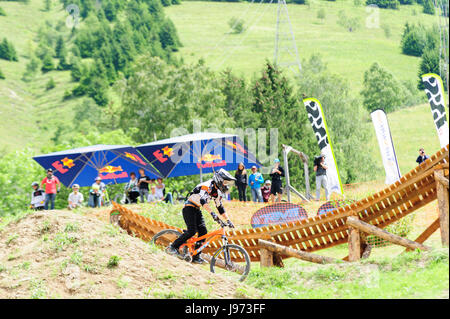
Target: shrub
<point x="321" y="14"/>
<point x="385" y="4"/>
<point x="113" y="261"/>
<point x="236" y="25"/>
<point x="1" y="75"/>
<point x="428" y="7"/>
<point x="50" y="84"/>
<point x="2" y="12"/>
<point x="381" y="90"/>
<point x="47" y="63"/>
<point x="414" y="39"/>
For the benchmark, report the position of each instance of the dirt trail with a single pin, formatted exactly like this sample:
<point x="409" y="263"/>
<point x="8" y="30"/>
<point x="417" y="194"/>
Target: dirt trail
<point x="63" y="254"/>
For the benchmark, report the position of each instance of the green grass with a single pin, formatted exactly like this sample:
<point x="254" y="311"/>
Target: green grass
<point x="411" y="275"/>
<point x="203" y="28"/>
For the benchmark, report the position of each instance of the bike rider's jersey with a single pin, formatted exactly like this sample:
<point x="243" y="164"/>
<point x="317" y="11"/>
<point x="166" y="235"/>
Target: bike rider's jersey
<point x="203" y="193"/>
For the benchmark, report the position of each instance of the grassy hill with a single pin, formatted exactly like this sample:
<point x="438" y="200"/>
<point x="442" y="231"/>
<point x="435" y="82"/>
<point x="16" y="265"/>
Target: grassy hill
<point x="204" y="31"/>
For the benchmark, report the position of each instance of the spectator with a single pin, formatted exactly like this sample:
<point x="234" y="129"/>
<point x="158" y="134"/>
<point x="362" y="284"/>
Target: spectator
<point x="154" y="197"/>
<point x="321" y="176"/>
<point x="143" y="182"/>
<point x="37" y="197"/>
<point x="265" y="190"/>
<point x="132" y="189"/>
<point x="75" y="198"/>
<point x="422" y="156"/>
<point x="241" y="182"/>
<point x="256" y="180"/>
<point x="277" y="186"/>
<point x="161" y="191"/>
<point x="52" y="187"/>
<point x="96" y="192"/>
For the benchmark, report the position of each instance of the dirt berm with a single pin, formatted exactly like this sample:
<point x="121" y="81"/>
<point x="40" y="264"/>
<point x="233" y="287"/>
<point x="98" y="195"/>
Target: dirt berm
<point x="64" y="254"/>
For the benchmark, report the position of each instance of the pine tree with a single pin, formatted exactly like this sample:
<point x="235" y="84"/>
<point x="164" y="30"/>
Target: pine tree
<point x="47" y="63"/>
<point x="7" y="51"/>
<point x="60" y="46"/>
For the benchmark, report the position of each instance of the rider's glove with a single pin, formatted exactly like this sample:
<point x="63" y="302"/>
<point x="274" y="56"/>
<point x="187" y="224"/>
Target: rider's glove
<point x="230" y="224"/>
<point x="214" y="216"/>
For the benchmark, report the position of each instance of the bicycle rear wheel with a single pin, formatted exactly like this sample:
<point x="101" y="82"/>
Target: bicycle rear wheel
<point x="232" y="258"/>
<point x="165" y="237"/>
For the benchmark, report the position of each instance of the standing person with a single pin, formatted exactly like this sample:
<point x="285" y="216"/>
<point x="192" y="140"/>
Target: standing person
<point x="321" y="176"/>
<point x="37" y="197"/>
<point x="96" y="192"/>
<point x="241" y="182"/>
<point x="265" y="190"/>
<point x="143" y="182"/>
<point x="52" y="187"/>
<point x="256" y="180"/>
<point x="161" y="191"/>
<point x="422" y="156"/>
<point x="75" y="198"/>
<point x="132" y="189"/>
<point x="277" y="185"/>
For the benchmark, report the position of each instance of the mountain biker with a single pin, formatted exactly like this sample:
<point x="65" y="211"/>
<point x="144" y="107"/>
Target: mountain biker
<point x="213" y="189"/>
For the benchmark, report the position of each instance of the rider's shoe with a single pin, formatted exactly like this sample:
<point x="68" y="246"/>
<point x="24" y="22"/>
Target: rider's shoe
<point x="174" y="252"/>
<point x="198" y="260"/>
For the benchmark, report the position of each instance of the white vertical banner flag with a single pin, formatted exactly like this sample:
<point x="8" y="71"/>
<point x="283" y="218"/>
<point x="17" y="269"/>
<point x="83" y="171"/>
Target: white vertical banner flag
<point x="319" y="125"/>
<point x="434" y="88"/>
<point x="387" y="150"/>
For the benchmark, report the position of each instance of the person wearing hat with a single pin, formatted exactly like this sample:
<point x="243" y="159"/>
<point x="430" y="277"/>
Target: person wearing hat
<point x="256" y="180"/>
<point x="52" y="187"/>
<point x="96" y="192"/>
<point x="37" y="197"/>
<point x="75" y="198"/>
<point x="265" y="190"/>
<point x="321" y="176"/>
<point x="277" y="185"/>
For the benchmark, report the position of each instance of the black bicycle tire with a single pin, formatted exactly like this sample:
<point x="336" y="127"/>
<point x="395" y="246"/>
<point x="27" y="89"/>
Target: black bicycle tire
<point x="164" y="232"/>
<point x="242" y="251"/>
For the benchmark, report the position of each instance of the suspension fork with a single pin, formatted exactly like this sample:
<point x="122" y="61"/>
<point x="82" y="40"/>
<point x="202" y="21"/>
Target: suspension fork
<point x="226" y="254"/>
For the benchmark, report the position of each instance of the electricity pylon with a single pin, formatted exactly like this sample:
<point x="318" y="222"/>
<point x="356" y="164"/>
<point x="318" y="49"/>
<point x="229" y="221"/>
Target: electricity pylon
<point x="286" y="53"/>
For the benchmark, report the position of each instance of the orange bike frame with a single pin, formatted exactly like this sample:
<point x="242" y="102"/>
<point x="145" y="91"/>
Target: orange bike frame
<point x="208" y="238"/>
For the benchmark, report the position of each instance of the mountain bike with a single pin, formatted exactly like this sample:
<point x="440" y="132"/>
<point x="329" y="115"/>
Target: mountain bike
<point x="224" y="258"/>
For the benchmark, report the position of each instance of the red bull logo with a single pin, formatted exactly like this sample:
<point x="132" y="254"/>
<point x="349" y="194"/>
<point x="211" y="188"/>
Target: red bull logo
<point x="112" y="172"/>
<point x="135" y="158"/>
<point x="166" y="151"/>
<point x="237" y="146"/>
<point x="60" y="165"/>
<point x="209" y="159"/>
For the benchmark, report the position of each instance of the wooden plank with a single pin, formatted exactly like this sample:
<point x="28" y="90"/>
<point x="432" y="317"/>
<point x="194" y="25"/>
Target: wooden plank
<point x="354" y="245"/>
<point x="367" y="228"/>
<point x="442" y="196"/>
<point x="427" y="233"/>
<point x="283" y="250"/>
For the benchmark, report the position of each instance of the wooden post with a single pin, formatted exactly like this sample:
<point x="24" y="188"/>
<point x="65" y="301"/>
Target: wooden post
<point x="287" y="251"/>
<point x="354" y="244"/>
<point x="266" y="258"/>
<point x="427" y="233"/>
<point x="442" y="197"/>
<point x="370" y="229"/>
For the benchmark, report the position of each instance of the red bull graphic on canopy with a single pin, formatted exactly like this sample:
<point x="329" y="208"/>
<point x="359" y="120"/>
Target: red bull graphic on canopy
<point x="197" y="153"/>
<point x="112" y="163"/>
<point x="279" y="213"/>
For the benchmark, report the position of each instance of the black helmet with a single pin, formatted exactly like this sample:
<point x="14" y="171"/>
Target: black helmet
<point x="223" y="180"/>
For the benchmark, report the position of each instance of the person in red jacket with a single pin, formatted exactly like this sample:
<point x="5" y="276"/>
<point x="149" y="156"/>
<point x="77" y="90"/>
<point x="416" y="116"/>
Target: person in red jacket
<point x="52" y="186"/>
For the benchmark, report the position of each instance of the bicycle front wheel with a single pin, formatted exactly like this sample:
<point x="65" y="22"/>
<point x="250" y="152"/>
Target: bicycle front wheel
<point x="231" y="258"/>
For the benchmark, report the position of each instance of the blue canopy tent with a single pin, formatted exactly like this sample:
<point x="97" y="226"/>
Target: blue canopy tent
<point x="113" y="163"/>
<point x="197" y="153"/>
